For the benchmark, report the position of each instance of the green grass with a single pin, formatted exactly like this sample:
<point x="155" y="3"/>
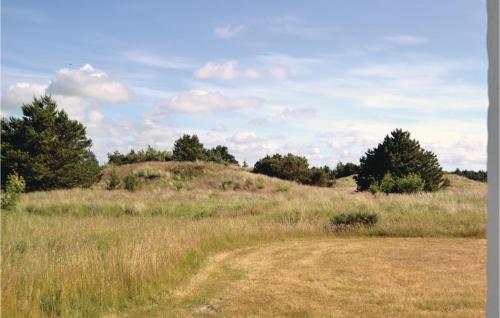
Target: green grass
<point x="85" y="252"/>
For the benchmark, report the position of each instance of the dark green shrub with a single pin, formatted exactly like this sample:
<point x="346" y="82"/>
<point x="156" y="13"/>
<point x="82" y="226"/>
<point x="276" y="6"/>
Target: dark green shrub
<point x="131" y="182"/>
<point x="345" y="170"/>
<point x="220" y="154"/>
<point x="14" y="186"/>
<point x="479" y="175"/>
<point x="150" y="154"/>
<point x="354" y="219"/>
<point x="114" y="180"/>
<point x="294" y="168"/>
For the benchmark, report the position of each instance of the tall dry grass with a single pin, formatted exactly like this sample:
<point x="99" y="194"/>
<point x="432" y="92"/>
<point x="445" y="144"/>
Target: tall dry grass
<point x="80" y="253"/>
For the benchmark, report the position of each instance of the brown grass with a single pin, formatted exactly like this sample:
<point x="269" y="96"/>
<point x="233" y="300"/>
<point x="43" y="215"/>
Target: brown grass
<point x="338" y="278"/>
<point x="84" y="252"/>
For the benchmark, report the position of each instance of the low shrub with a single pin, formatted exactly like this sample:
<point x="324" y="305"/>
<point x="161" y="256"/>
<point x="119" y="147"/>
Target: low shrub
<point x="178" y="186"/>
<point x="13" y="187"/>
<point x="148" y="173"/>
<point x="387" y="184"/>
<point x="282" y="188"/>
<point x="343" y="220"/>
<point x="114" y="180"/>
<point x="411" y="183"/>
<point x="259" y="184"/>
<point x="131" y="182"/>
<point x="202" y="214"/>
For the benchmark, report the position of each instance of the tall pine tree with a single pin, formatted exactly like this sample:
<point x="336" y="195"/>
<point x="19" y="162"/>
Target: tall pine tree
<point x="400" y="156"/>
<point x="47" y="148"/>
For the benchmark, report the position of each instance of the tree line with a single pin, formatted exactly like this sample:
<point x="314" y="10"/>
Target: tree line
<point x="45" y="149"/>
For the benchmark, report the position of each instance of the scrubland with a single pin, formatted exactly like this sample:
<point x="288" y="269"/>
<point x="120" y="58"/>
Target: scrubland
<point x="94" y="252"/>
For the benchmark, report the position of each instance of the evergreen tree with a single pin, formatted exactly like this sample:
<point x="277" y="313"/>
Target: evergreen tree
<point x="220" y="154"/>
<point x="400" y="156"/>
<point x="188" y="148"/>
<point x="47" y="149"/>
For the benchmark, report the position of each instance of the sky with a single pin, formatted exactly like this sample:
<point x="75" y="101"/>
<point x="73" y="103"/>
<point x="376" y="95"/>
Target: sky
<point x="322" y="79"/>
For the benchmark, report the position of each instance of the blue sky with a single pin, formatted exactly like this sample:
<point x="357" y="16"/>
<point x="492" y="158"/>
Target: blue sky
<point x="322" y="79"/>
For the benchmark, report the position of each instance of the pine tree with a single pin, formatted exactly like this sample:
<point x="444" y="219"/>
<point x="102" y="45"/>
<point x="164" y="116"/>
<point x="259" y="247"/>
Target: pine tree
<point x="400" y="156"/>
<point x="188" y="148"/>
<point x="47" y="149"/>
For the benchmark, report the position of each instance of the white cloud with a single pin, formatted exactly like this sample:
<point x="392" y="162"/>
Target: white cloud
<point x="243" y="137"/>
<point x="95" y="117"/>
<point x="87" y="82"/>
<point x="229" y="71"/>
<point x="228" y="32"/>
<point x="199" y="101"/>
<point x="18" y="94"/>
<point x="222" y="71"/>
<point x="405" y="39"/>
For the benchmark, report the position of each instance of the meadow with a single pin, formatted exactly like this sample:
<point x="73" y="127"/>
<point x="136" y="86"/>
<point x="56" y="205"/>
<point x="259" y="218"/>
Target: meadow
<point x="233" y="234"/>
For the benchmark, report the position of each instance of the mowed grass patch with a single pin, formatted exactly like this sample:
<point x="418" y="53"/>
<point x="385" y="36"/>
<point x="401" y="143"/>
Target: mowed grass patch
<point x="355" y="277"/>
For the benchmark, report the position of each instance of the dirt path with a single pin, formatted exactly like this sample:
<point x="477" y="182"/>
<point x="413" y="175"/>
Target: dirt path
<point x="367" y="277"/>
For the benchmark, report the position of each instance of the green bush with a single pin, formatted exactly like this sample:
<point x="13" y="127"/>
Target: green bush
<point x="150" y="154"/>
<point x="150" y="174"/>
<point x="131" y="182"/>
<point x="178" y="185"/>
<point x="114" y="180"/>
<point x="354" y="219"/>
<point x="295" y="168"/>
<point x="202" y="214"/>
<point x="388" y="184"/>
<point x="374" y="188"/>
<point x="13" y="187"/>
<point x="411" y="183"/>
<point x="282" y="188"/>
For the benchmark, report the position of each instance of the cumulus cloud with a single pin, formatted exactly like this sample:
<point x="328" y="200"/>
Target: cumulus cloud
<point x="88" y="82"/>
<point x="222" y="71"/>
<point x="200" y="101"/>
<point x="229" y="71"/>
<point x="228" y="32"/>
<point x="18" y="94"/>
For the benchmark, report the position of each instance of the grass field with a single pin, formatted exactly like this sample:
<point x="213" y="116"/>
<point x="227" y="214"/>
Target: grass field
<point x="94" y="252"/>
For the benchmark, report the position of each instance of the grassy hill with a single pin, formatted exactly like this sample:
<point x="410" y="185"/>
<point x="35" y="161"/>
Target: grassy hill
<point x="84" y="252"/>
